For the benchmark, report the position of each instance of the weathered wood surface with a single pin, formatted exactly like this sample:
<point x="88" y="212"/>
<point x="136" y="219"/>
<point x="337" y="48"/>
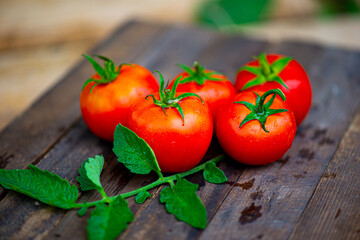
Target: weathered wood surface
<point x="333" y="209"/>
<point x="312" y="192"/>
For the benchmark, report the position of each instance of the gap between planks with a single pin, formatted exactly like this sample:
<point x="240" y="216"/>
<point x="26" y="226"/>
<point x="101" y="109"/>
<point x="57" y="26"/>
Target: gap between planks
<point x="338" y="209"/>
<point x="165" y="55"/>
<point x="165" y="50"/>
<point x="224" y="67"/>
<point x="145" y="41"/>
<point x="56" y="127"/>
<point x="226" y="48"/>
<point x="278" y="217"/>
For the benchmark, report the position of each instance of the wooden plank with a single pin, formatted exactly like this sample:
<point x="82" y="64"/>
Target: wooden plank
<point x="163" y="51"/>
<point x="47" y="120"/>
<point x="27" y="139"/>
<point x="167" y="226"/>
<point x="333" y="212"/>
<point x="280" y="192"/>
<point x="41" y="68"/>
<point x="24" y="218"/>
<point x="67" y="154"/>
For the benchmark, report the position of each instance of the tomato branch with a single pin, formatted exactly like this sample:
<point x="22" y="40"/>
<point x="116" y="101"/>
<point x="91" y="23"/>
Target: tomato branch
<point x="158" y="182"/>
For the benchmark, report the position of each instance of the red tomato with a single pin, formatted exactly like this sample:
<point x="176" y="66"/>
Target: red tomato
<point x="274" y="71"/>
<point x="245" y="139"/>
<point x="107" y="104"/>
<point x="213" y="87"/>
<point x="178" y="137"/>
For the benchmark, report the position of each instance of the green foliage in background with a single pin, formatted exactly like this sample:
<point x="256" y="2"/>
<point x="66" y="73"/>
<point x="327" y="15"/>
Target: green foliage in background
<point x="220" y="13"/>
<point x="331" y="7"/>
<point x="229" y="12"/>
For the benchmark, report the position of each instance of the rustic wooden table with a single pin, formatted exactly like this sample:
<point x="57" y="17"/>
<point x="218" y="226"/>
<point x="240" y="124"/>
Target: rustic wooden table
<point x="313" y="192"/>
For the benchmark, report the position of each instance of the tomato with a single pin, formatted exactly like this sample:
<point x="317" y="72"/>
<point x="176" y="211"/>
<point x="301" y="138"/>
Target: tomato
<point x="214" y="87"/>
<point x="277" y="71"/>
<point x="255" y="133"/>
<point x="107" y="97"/>
<point x="177" y="126"/>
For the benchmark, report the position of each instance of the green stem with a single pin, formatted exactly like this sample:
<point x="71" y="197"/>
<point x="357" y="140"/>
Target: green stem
<point x="142" y="189"/>
<point x="161" y="180"/>
<point x="168" y="99"/>
<point x="266" y="94"/>
<point x="172" y="184"/>
<point x="264" y="64"/>
<point x="103" y="193"/>
<point x="197" y="69"/>
<point x="90" y="204"/>
<point x="160" y="175"/>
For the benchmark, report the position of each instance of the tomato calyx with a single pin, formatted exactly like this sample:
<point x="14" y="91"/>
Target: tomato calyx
<point x="266" y="72"/>
<point x="197" y="74"/>
<point x="107" y="74"/>
<point x="261" y="111"/>
<point x="167" y="96"/>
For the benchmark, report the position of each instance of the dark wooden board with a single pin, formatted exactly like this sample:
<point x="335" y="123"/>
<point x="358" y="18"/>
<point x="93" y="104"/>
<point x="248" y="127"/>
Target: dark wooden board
<point x="313" y="192"/>
<point x="286" y="186"/>
<point x="333" y="210"/>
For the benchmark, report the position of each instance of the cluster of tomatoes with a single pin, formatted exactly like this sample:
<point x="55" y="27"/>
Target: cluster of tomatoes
<point x="255" y="121"/>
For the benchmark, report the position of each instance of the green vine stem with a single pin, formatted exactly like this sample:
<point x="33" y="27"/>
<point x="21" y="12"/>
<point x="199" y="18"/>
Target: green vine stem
<point x="264" y="64"/>
<point x="102" y="193"/>
<point x="168" y="179"/>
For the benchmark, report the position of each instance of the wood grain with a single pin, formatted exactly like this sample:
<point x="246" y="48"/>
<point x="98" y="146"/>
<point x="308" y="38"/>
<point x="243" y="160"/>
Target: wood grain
<point x="161" y="57"/>
<point x="36" y="139"/>
<point x="281" y="191"/>
<point x="167" y="227"/>
<point x="333" y="212"/>
<point x="30" y="218"/>
<point x="27" y="139"/>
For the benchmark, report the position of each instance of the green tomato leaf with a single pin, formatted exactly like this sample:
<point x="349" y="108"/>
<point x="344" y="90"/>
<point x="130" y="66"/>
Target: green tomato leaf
<point x="107" y="222"/>
<point x="90" y="171"/>
<point x="42" y="185"/>
<point x="183" y="202"/>
<point x="142" y="196"/>
<point x="213" y="174"/>
<point x="134" y="152"/>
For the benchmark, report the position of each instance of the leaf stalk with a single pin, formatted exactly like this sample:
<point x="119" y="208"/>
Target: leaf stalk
<point x="158" y="182"/>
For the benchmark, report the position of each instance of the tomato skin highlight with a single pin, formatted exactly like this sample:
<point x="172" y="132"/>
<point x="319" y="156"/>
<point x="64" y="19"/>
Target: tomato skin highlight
<point x="250" y="144"/>
<point x="215" y="93"/>
<point x="299" y="94"/>
<point x="110" y="104"/>
<point x="178" y="147"/>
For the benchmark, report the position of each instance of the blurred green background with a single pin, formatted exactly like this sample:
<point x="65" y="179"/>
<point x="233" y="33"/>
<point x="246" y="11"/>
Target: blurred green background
<point x="220" y="13"/>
